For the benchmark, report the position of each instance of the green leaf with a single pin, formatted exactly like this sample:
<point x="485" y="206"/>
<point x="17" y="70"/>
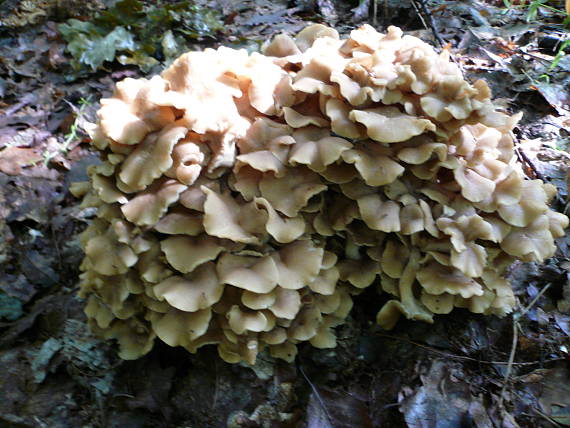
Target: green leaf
<point x="138" y="58"/>
<point x="169" y="45"/>
<point x="137" y="32"/>
<point x="88" y="45"/>
<point x="124" y="13"/>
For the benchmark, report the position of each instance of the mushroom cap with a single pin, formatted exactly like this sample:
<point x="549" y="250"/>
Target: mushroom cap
<point x="190" y="293"/>
<point x="390" y="125"/>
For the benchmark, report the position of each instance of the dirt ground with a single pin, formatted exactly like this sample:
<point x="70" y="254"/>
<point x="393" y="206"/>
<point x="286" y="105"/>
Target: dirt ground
<point x="465" y="370"/>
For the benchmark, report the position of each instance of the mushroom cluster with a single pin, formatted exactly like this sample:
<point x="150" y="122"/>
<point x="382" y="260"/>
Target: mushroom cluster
<point x="243" y="199"/>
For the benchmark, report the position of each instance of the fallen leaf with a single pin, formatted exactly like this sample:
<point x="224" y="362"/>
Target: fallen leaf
<point x="562" y="416"/>
<point x="556" y="95"/>
<point x="552" y="389"/>
<point x="334" y="409"/>
<point x="13" y="159"/>
<point x="444" y="400"/>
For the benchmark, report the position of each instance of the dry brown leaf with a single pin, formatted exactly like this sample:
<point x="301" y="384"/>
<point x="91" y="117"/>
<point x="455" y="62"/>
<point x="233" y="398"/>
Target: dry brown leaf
<point x="13" y="159"/>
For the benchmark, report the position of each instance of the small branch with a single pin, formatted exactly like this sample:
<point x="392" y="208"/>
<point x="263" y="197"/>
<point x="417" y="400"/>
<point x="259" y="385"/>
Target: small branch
<point x="415" y="6"/>
<point x="465" y="358"/>
<point x="534" y="300"/>
<point x="429" y="16"/>
<point x="317" y="395"/>
<point x="511" y="360"/>
<point x="24" y="102"/>
<point x="516" y="326"/>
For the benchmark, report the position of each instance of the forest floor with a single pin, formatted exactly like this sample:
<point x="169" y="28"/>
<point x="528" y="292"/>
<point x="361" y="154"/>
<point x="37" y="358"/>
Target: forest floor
<point x="464" y="370"/>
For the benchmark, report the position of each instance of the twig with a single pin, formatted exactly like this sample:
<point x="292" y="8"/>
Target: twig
<point x="533" y="301"/>
<point x="317" y="395"/>
<point x="216" y="386"/>
<point x="425" y="11"/>
<point x="516" y="326"/>
<point x="415" y="6"/>
<point x="511" y="360"/>
<point x="523" y="158"/>
<point x="465" y="358"/>
<point x="27" y="99"/>
<point x="429" y="16"/>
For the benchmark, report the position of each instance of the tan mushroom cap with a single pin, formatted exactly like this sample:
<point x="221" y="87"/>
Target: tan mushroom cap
<point x="390" y="125"/>
<point x="178" y="328"/>
<point x="190" y="293"/>
<point x="282" y="229"/>
<point x="408" y="304"/>
<point x="474" y="187"/>
<point x="150" y="267"/>
<point x="134" y="336"/>
<point x="270" y="87"/>
<point x="298" y="264"/>
<point x="379" y="214"/>
<point x="225" y="218"/>
<point x="307" y="36"/>
<point x="468" y="228"/>
<point x="151" y="158"/>
<point x="437" y="279"/>
<point x="181" y="222"/>
<point x="286" y="351"/>
<point x="326" y="281"/>
<point x="194" y="197"/>
<point x="132" y="112"/>
<point x="306" y="324"/>
<point x="185" y="253"/>
<point x="201" y="86"/>
<point x="255" y="274"/>
<point x="280" y="46"/>
<point x="316" y="149"/>
<point x="276" y="336"/>
<point x="394" y="258"/>
<point x="338" y="113"/>
<point x="287" y="303"/>
<point x="557" y="223"/>
<point x="471" y="261"/>
<point x="241" y="320"/>
<point x="96" y="310"/>
<point x="438" y="304"/>
<point x="532" y="243"/>
<point x="292" y="192"/>
<point x="189" y="157"/>
<point x="325" y="337"/>
<point x="258" y="301"/>
<point x="107" y="256"/>
<point x="360" y="273"/>
<point x="375" y="168"/>
<point x="530" y="207"/>
<point x="147" y="207"/>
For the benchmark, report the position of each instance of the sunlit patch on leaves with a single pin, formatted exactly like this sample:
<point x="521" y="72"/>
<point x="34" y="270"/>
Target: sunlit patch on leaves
<point x="138" y="35"/>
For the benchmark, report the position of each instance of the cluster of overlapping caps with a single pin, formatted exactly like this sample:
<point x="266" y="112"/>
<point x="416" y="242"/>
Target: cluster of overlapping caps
<point x="243" y="199"/>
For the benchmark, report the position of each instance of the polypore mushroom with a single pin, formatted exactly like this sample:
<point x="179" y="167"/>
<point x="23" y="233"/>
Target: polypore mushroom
<point x="243" y="199"/>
